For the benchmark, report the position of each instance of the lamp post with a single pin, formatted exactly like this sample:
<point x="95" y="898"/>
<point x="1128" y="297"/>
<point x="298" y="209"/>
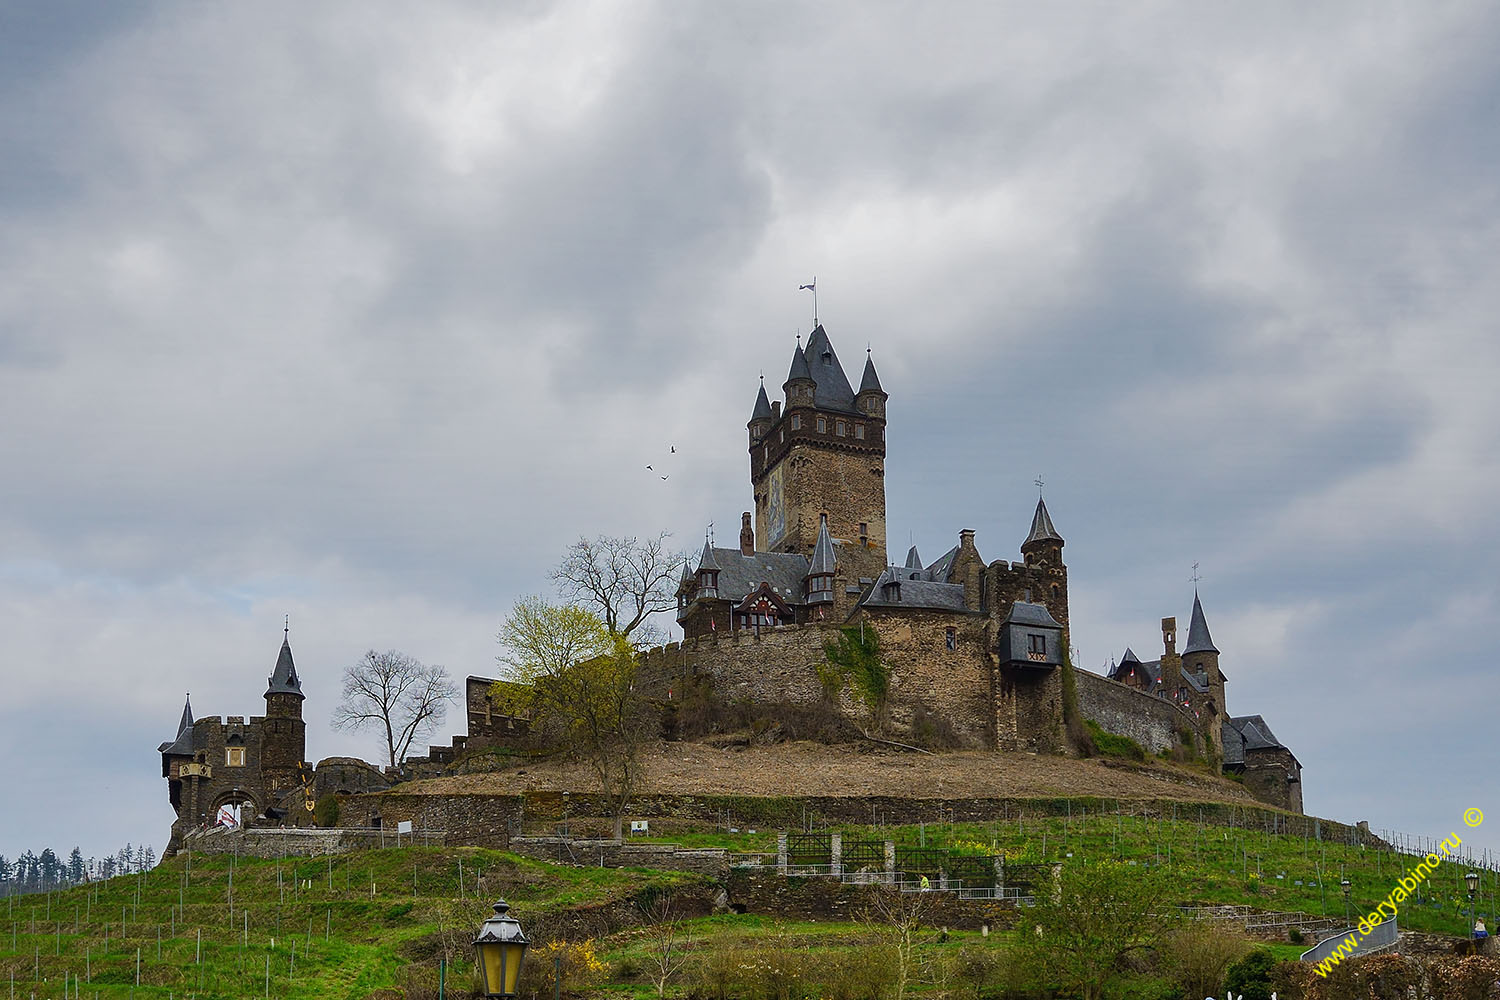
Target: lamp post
<point x="500" y="947"/>
<point x="1347" y="889"/>
<point x="1471" y="882"/>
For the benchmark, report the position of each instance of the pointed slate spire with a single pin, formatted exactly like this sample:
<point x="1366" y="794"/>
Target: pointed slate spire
<point x="822" y="557"/>
<point x="284" y="679"/>
<point x="183" y="744"/>
<point x="1129" y="657"/>
<point x="833" y="385"/>
<point x="870" y="382"/>
<point x="1198" y="640"/>
<point x="687" y="577"/>
<point x="799" y="366"/>
<point x="706" y="561"/>
<point x="913" y="561"/>
<point x="1041" y="526"/>
<point x="762" y="409"/>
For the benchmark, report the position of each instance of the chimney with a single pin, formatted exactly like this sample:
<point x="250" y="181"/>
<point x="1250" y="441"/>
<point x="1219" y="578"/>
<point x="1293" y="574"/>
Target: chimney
<point x="966" y="539"/>
<point x="775" y="410"/>
<point x="1169" y="636"/>
<point x="747" y="535"/>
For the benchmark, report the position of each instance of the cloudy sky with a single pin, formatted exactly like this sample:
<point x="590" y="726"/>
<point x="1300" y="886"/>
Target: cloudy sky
<point x="361" y="313"/>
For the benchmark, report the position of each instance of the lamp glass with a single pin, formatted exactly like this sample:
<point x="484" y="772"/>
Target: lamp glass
<point x="1472" y="880"/>
<point x="500" y="967"/>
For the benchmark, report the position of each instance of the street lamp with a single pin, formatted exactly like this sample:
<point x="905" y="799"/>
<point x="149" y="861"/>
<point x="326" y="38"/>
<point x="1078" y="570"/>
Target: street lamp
<point x="1347" y="888"/>
<point x="501" y="947"/>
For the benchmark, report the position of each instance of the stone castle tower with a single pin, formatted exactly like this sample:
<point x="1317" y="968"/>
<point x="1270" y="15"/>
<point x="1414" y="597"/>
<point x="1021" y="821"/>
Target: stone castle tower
<point x="284" y="743"/>
<point x="822" y="456"/>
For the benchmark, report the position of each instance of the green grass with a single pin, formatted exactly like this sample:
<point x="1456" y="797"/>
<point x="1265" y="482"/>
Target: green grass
<point x="349" y="940"/>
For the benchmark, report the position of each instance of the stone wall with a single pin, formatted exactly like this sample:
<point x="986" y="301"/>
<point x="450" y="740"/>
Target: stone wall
<point x="488" y="820"/>
<point x="265" y="842"/>
<point x="753" y="890"/>
<point x="1266" y="773"/>
<point x="950" y="688"/>
<point x="1123" y="710"/>
<point x="711" y="862"/>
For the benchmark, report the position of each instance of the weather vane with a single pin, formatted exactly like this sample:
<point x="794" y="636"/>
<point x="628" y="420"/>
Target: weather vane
<point x="812" y="286"/>
<point x="1195" y="577"/>
<point x="1040" y="482"/>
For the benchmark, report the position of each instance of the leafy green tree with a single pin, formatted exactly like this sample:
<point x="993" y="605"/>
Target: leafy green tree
<point x="543" y="640"/>
<point x="1078" y="938"/>
<point x="76" y="867"/>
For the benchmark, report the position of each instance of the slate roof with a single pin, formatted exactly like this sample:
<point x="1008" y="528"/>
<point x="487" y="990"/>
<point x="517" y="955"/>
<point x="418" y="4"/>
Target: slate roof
<point x="706" y="559"/>
<point x="1198" y="640"/>
<point x="940" y="570"/>
<point x="870" y="382"/>
<point x="799" y="367"/>
<point x="1234" y="743"/>
<point x="183" y="745"/>
<point x="822" y="557"/>
<point x="1198" y="682"/>
<point x="1026" y="613"/>
<point x="915" y="593"/>
<point x="740" y="574"/>
<point x="762" y="409"/>
<point x="913" y="561"/>
<point x="1257" y="734"/>
<point x="1041" y="526"/>
<point x="283" y="679"/>
<point x="833" y="390"/>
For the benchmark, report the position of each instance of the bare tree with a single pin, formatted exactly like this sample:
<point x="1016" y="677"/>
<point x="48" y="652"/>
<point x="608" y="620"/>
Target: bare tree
<point x="899" y="915"/>
<point x="666" y="943"/>
<point x="398" y="694"/>
<point x="624" y="580"/>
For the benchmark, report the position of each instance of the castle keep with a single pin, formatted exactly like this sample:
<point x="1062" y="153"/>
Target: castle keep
<point x="977" y="646"/>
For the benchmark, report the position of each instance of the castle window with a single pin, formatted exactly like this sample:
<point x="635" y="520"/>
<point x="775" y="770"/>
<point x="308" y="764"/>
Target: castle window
<point x="781" y="435"/>
<point x="859" y="432"/>
<point x="1054" y="591"/>
<point x="234" y="757"/>
<point x="822" y="425"/>
<point x="838" y="428"/>
<point x="864" y="530"/>
<point x="950" y="638"/>
<point x="765" y="453"/>
<point x="796" y="421"/>
<point x="1038" y="644"/>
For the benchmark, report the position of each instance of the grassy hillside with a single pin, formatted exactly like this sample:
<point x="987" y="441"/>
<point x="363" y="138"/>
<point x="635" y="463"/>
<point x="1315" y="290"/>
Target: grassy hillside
<point x="311" y="928"/>
<point x="357" y="925"/>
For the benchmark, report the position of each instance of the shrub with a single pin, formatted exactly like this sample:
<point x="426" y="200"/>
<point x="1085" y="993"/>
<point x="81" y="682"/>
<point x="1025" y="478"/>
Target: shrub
<point x="1251" y="975"/>
<point x="1295" y="936"/>
<point x="1200" y="952"/>
<point x="856" y="973"/>
<point x="1110" y="745"/>
<point x="577" y="962"/>
<point x="326" y="813"/>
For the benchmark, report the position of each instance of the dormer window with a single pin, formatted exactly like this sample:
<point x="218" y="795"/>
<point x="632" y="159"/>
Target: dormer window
<point x="1038" y="648"/>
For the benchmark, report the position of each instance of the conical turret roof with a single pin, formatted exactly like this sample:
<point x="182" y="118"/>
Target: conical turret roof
<point x="762" y="409"/>
<point x="1198" y="640"/>
<point x="823" y="555"/>
<point x="870" y="382"/>
<point x="834" y="391"/>
<point x="1041" y="526"/>
<point x="913" y="561"/>
<point x="284" y="679"/>
<point x="707" y="560"/>
<point x="183" y="745"/>
<point x="799" y="366"/>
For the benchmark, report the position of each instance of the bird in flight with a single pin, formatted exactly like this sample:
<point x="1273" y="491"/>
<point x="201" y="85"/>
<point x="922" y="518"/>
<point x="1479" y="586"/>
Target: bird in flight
<point x="666" y="477"/>
<point x="649" y="467"/>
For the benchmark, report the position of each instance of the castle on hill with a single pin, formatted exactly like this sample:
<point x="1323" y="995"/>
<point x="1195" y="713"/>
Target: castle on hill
<point x="977" y="646"/>
<point x="975" y="651"/>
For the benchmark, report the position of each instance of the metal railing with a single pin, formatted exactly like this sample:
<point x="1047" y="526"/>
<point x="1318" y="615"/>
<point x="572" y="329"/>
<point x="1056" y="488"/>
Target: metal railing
<point x="1382" y="936"/>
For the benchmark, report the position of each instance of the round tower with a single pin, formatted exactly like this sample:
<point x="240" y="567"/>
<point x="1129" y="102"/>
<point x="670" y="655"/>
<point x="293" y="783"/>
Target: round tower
<point x="284" y="740"/>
